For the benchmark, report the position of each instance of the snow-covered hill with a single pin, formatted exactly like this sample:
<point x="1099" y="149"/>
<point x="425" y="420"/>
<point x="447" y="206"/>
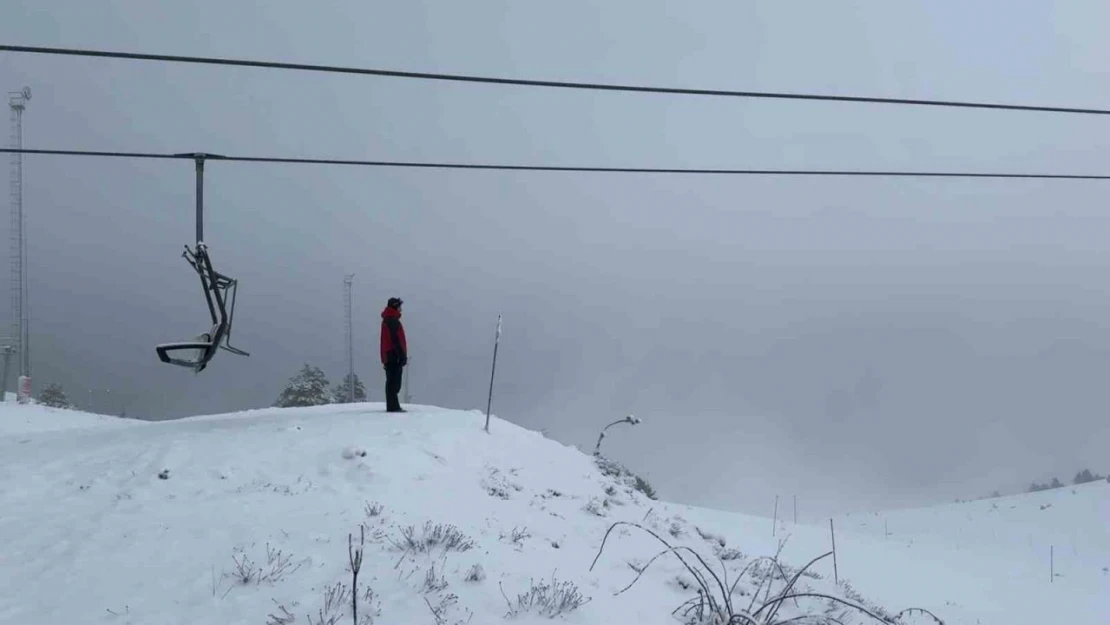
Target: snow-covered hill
<point x="246" y="518"/>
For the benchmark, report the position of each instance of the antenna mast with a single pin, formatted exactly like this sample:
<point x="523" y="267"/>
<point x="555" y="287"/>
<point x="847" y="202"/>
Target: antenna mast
<point x="17" y="102"/>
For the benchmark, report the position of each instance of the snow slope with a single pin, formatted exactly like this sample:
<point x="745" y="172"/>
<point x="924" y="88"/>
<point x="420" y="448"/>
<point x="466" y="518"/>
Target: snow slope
<point x="1015" y="546"/>
<point x="89" y="532"/>
<point x="15" y="420"/>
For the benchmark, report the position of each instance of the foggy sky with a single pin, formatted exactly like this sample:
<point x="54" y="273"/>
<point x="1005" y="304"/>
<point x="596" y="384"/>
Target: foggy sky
<point x="854" y="342"/>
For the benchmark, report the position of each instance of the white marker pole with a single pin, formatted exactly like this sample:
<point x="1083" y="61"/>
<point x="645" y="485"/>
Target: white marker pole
<point x="493" y="371"/>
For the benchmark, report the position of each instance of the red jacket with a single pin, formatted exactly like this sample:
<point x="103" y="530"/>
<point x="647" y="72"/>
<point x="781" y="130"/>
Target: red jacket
<point x="394" y="348"/>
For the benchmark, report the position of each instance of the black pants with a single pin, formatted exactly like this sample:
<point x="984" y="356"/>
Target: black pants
<point x="393" y="373"/>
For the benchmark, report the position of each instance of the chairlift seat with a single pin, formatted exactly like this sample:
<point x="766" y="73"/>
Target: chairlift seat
<point x="197" y="353"/>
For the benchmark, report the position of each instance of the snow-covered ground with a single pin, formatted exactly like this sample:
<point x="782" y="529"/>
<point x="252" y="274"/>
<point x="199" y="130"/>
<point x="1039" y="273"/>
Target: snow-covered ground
<point x="245" y="518"/>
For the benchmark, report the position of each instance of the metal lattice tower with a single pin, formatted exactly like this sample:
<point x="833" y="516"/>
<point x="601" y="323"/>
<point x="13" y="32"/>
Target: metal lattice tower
<point x="17" y="102"/>
<point x="348" y="283"/>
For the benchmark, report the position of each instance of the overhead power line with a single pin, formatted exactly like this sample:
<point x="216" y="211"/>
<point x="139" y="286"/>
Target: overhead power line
<point x="561" y="168"/>
<point x="520" y="82"/>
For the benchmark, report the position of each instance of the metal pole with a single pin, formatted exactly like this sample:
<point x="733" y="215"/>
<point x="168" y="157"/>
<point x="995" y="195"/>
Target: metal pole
<point x="775" y="522"/>
<point x="493" y="371"/>
<point x="836" y="571"/>
<point x="348" y="282"/>
<point x="199" y="160"/>
<point x="17" y="101"/>
<point x="8" y="349"/>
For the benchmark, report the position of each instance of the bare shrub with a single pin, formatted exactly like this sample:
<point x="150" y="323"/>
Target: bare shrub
<point x="729" y="553"/>
<point x="620" y="473"/>
<point x="337" y="595"/>
<point x="374" y="509"/>
<point x="432" y="536"/>
<point x="285" y="617"/>
<point x="548" y="599"/>
<point x="434" y="582"/>
<point x="597" y="507"/>
<point x="475" y="574"/>
<point x="335" y="602"/>
<point x="278" y="566"/>
<point x="516" y="536"/>
<point x="497" y="485"/>
<point x="440" y="608"/>
<point x="711" y="537"/>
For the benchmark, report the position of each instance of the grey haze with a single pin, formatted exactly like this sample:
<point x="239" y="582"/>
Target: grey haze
<point x="856" y="342"/>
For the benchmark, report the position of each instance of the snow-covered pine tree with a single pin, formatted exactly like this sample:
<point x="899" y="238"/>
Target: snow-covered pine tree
<point x="308" y="388"/>
<point x="54" y="396"/>
<point x="340" y="394"/>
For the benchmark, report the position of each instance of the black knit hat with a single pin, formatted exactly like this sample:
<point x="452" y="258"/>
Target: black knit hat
<point x="394" y="302"/>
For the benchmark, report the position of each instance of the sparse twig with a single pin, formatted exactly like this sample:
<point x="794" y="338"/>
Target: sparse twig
<point x="285" y="618"/>
<point x="631" y="420"/>
<point x="701" y="579"/>
<point x="355" y="557"/>
<point x="922" y="611"/>
<point x="778" y="600"/>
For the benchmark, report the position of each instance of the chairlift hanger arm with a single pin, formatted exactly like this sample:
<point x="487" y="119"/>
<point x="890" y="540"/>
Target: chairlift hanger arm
<point x="216" y="287"/>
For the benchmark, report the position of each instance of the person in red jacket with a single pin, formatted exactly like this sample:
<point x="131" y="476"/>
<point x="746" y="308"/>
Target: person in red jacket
<point x="395" y="353"/>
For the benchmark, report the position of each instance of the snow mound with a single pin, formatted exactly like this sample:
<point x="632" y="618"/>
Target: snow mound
<point x="260" y="517"/>
<point x="16" y="419"/>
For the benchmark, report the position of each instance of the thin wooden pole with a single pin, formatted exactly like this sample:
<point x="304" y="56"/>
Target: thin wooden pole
<point x="493" y="371"/>
<point x="836" y="571"/>
<point x="776" y="520"/>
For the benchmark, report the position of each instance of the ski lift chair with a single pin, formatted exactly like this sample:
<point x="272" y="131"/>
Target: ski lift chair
<point x="217" y="287"/>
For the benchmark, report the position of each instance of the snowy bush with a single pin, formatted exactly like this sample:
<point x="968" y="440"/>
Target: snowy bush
<point x="475" y="574"/>
<point x="617" y="471"/>
<point x="497" y="485"/>
<point x="283" y="616"/>
<point x="278" y="566"/>
<point x="441" y="608"/>
<point x="711" y="537"/>
<point x="308" y="388"/>
<point x="517" y="536"/>
<point x="548" y="599"/>
<point x="430" y="536"/>
<point x="597" y="507"/>
<point x="644" y="487"/>
<point x="54" y="396"/>
<point x="341" y="392"/>
<point x="337" y="607"/>
<point x="434" y="582"/>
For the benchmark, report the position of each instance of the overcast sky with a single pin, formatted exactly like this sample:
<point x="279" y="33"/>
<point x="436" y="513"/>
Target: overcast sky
<point x="856" y="342"/>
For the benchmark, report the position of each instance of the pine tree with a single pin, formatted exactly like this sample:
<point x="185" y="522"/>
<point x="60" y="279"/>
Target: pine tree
<point x="341" y="394"/>
<point x="54" y="396"/>
<point x="308" y="388"/>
